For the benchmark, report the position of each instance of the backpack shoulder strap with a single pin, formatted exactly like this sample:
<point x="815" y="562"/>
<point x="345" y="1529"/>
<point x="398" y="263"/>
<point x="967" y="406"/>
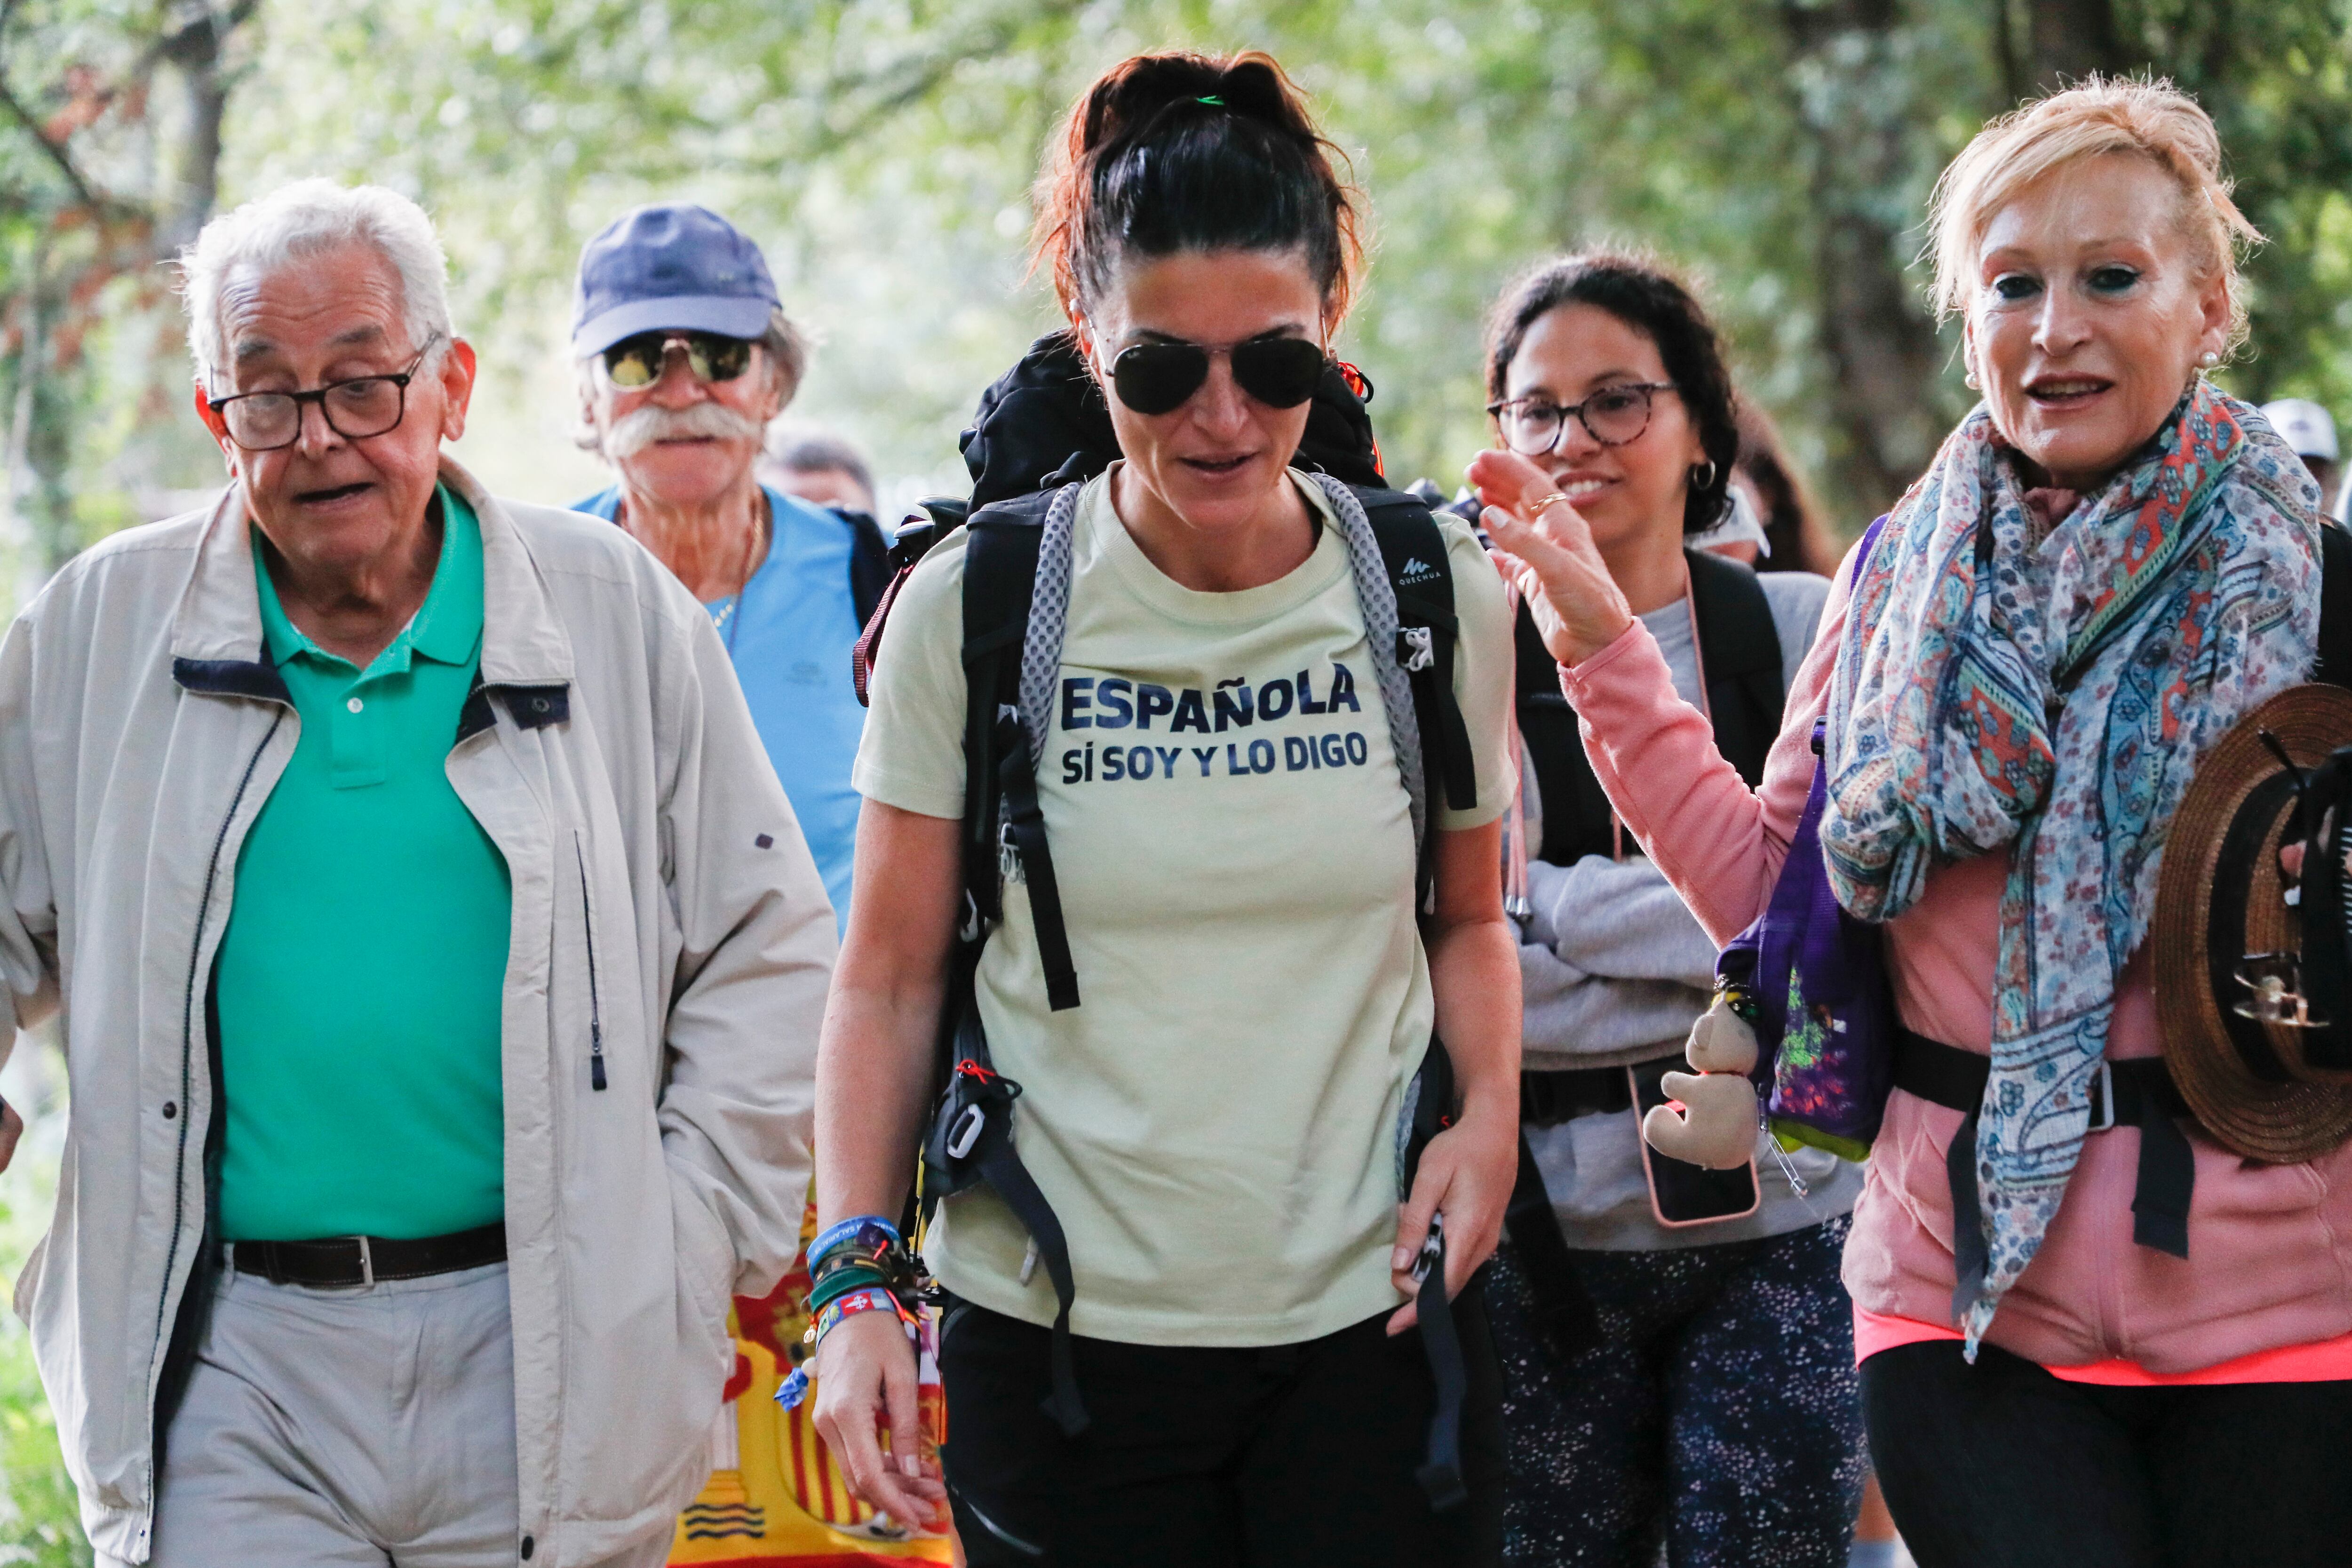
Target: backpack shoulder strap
<point x="1000" y="573"/>
<point x="939" y="519"/>
<point x="1413" y="549"/>
<point x="1739" y="650"/>
<point x="971" y="1137"/>
<point x="2334" y="665"/>
<point x="1000" y="579"/>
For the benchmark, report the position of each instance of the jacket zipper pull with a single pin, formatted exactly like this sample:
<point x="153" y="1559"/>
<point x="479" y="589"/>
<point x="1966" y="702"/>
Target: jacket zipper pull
<point x="596" y="1055"/>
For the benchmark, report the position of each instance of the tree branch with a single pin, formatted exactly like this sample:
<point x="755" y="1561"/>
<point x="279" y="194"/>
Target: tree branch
<point x="57" y="154"/>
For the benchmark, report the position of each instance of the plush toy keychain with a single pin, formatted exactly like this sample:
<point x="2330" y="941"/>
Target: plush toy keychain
<point x="1717" y="1124"/>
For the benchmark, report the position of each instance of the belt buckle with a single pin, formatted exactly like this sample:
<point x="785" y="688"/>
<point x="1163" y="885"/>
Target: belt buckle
<point x="2102" y="1097"/>
<point x="367" y="1264"/>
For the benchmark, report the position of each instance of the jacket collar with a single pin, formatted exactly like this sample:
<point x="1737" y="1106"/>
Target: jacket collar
<point x="218" y="623"/>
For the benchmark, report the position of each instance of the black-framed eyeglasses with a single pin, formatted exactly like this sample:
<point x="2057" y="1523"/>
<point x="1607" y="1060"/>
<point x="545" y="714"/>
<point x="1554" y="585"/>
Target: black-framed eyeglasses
<point x="355" y="409"/>
<point x="1532" y="426"/>
<point x="635" y="362"/>
<point x="1158" y="378"/>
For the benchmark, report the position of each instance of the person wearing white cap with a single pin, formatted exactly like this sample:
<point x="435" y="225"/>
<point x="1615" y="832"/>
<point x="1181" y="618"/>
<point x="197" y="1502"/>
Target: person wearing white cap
<point x="2311" y="431"/>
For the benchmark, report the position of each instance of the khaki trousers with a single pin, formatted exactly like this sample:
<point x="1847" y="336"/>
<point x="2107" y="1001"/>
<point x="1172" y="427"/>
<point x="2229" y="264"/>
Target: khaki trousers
<point x="365" y="1426"/>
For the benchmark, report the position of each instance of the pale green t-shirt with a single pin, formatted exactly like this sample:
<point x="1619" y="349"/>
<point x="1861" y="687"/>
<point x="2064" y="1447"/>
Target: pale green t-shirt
<point x="1215" y="1124"/>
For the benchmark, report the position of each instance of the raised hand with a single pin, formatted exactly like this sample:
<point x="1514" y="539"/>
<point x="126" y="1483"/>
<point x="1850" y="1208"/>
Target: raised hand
<point x="1549" y="553"/>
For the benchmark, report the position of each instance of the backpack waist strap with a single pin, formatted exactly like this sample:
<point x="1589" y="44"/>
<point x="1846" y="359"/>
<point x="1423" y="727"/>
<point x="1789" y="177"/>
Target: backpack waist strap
<point x="2138" y="1093"/>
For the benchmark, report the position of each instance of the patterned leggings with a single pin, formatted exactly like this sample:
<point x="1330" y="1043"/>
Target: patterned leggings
<point x="1720" y="1414"/>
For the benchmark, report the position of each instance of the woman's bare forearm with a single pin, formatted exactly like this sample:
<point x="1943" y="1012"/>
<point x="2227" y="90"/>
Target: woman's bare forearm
<point x="873" y="1072"/>
<point x="881" y="1021"/>
<point x="1474" y="970"/>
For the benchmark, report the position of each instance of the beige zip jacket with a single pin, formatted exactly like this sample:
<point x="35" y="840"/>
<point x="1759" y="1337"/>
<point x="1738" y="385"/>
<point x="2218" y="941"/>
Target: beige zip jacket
<point x="665" y="913"/>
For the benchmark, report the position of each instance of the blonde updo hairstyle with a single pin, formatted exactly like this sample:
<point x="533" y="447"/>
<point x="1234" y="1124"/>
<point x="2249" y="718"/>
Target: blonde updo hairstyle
<point x="2151" y="119"/>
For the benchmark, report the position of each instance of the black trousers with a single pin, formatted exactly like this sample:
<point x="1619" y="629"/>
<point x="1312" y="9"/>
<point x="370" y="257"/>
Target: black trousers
<point x="1216" y="1459"/>
<point x="2001" y="1463"/>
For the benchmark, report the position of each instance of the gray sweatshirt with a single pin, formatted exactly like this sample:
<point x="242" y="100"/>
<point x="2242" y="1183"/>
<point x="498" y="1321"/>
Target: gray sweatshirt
<point x="1614" y="970"/>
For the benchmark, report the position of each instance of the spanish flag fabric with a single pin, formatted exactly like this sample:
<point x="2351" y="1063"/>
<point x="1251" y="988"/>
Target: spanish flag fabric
<point x="774" y="1499"/>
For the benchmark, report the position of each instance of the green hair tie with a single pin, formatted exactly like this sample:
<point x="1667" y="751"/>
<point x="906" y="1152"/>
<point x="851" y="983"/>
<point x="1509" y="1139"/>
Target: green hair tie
<point x="1212" y="100"/>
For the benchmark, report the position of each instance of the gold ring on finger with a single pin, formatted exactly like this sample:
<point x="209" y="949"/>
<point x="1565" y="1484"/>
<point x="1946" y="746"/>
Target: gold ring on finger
<point x="1536" y="510"/>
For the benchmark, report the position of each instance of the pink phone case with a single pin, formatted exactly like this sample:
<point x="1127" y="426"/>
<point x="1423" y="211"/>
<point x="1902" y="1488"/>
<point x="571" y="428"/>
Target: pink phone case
<point x="1649" y="1179"/>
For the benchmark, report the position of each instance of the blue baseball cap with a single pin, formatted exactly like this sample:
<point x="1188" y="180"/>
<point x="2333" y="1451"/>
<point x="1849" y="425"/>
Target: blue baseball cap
<point x="670" y="268"/>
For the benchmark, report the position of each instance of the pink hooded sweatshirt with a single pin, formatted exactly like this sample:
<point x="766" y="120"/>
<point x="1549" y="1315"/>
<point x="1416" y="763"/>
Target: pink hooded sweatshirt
<point x="2270" y="1247"/>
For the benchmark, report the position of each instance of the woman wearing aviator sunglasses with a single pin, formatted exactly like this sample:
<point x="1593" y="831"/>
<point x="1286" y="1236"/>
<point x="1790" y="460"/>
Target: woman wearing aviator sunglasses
<point x="1677" y="1346"/>
<point x="1215" y="1124"/>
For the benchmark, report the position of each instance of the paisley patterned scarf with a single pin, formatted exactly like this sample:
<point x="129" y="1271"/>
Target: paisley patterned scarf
<point x="1995" y="689"/>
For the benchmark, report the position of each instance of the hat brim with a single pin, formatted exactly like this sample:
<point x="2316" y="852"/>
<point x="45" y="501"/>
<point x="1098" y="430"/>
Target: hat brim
<point x="730" y="315"/>
<point x="2240" y="795"/>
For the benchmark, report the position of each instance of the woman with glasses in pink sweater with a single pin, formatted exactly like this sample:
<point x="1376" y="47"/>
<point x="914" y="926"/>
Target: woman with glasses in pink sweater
<point x="2110" y="562"/>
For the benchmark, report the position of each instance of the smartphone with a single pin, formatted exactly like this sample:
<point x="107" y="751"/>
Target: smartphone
<point x="1682" y="1193"/>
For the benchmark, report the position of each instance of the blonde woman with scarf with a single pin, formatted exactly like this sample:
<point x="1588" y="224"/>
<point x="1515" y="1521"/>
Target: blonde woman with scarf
<point x="2109" y="563"/>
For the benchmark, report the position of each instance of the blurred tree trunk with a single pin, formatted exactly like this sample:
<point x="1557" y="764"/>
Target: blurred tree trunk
<point x="2069" y="39"/>
<point x="1855" y="110"/>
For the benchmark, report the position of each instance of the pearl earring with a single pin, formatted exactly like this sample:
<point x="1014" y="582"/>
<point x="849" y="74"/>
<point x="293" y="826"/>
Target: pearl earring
<point x="1970" y="382"/>
<point x="2208" y="359"/>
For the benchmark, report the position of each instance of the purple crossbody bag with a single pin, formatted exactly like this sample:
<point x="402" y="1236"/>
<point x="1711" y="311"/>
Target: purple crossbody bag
<point x="1824" y="1017"/>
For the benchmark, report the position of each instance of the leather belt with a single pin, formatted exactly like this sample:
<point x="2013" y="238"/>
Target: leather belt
<point x="2138" y="1093"/>
<point x="340" y="1262"/>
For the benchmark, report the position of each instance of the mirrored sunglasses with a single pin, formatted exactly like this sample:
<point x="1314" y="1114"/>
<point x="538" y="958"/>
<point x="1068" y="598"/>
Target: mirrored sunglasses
<point x="636" y="361"/>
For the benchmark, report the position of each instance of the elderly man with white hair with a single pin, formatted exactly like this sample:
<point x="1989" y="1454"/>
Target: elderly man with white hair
<point x="440" y="962"/>
<point x="683" y="354"/>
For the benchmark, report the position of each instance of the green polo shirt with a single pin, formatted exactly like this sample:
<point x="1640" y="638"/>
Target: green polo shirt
<point x="360" y="978"/>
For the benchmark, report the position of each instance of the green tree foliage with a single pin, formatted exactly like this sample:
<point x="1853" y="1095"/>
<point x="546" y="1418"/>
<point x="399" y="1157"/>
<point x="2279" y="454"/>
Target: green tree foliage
<point x="40" y="1522"/>
<point x="111" y="113"/>
<point x="1783" y="151"/>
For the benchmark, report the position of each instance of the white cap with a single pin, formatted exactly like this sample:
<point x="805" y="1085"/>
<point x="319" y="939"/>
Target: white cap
<point x="2304" y="425"/>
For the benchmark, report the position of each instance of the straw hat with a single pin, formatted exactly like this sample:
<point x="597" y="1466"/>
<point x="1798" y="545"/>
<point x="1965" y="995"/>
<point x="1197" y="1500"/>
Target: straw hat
<point x="2219" y="898"/>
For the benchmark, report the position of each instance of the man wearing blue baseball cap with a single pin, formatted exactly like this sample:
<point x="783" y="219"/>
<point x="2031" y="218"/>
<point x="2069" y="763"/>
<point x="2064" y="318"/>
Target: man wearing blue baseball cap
<point x="683" y="355"/>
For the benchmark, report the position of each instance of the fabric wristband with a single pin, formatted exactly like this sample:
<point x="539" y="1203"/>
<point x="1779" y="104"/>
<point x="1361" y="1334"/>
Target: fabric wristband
<point x="841" y="1281"/>
<point x="869" y="1234"/>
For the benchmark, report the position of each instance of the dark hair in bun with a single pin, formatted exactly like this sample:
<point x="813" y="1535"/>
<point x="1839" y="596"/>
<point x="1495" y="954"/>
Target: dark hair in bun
<point x="1176" y="151"/>
<point x="1647" y="297"/>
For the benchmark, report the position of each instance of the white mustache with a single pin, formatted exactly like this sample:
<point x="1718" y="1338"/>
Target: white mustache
<point x="640" y="428"/>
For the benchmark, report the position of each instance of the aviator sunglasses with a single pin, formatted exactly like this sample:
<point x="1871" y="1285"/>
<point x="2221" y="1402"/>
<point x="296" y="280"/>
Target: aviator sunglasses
<point x="1157" y="378"/>
<point x="636" y="360"/>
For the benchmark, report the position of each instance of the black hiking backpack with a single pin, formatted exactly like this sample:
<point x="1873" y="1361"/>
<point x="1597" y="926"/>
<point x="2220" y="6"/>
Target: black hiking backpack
<point x="1041" y="427"/>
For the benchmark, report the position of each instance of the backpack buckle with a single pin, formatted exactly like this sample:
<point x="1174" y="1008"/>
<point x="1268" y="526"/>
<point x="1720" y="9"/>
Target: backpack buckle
<point x="1416" y="648"/>
<point x="2103" y="1098"/>
<point x="966" y="1132"/>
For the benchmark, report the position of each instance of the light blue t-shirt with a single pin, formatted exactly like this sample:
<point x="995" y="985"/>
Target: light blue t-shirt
<point x="789" y="638"/>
